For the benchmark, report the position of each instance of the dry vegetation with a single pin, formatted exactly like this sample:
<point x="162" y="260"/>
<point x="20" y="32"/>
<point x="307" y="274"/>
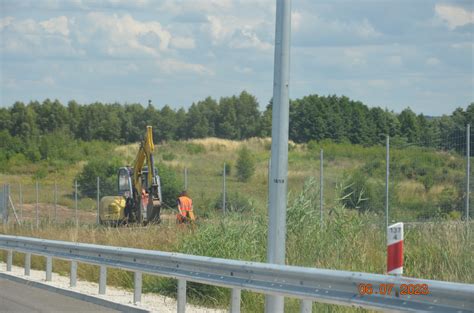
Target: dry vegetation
<point x="349" y="240"/>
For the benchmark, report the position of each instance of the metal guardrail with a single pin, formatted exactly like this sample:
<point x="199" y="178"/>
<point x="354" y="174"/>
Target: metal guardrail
<point x="308" y="284"/>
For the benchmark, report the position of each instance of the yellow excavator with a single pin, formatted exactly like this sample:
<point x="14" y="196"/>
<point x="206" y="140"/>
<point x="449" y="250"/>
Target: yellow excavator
<point x="139" y="190"/>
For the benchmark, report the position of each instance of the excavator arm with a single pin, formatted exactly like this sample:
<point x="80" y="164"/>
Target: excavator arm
<point x="145" y="155"/>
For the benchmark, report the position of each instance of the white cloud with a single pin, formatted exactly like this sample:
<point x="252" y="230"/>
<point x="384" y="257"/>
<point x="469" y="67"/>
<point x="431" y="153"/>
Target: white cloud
<point x="365" y="29"/>
<point x="6" y="21"/>
<point x="454" y="16"/>
<point x="395" y="60"/>
<point x="356" y="57"/>
<point x="180" y="6"/>
<point x="56" y="25"/>
<point x="236" y="32"/>
<point x="124" y="35"/>
<point x="379" y="83"/>
<point x="433" y="61"/>
<point x="173" y="65"/>
<point x="183" y="42"/>
<point x="243" y="70"/>
<point x="31" y="37"/>
<point x="315" y="29"/>
<point x="247" y="38"/>
<point x="296" y="20"/>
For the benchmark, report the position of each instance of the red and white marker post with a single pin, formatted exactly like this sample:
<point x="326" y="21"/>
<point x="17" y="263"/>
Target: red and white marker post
<point x="395" y="249"/>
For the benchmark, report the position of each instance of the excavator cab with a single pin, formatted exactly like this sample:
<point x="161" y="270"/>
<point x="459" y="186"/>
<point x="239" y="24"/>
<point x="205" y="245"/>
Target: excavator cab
<point x="125" y="182"/>
<point x="142" y="205"/>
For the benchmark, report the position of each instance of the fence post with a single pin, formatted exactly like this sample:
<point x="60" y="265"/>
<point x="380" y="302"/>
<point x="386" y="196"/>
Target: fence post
<point x="55" y="202"/>
<point x="306" y="306"/>
<point x="223" y="190"/>
<point x="21" y="203"/>
<point x="321" y="185"/>
<point x="235" y="301"/>
<point x="468" y="168"/>
<point x="4" y="205"/>
<point x="27" y="264"/>
<point x="98" y="200"/>
<point x="102" y="279"/>
<point x="181" y="295"/>
<point x="37" y="208"/>
<point x="75" y="203"/>
<point x="137" y="287"/>
<point x="7" y="203"/>
<point x="185" y="178"/>
<point x="387" y="176"/>
<point x="73" y="274"/>
<point x="49" y="267"/>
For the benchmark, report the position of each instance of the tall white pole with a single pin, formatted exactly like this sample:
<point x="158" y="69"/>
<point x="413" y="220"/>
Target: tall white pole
<point x="279" y="160"/>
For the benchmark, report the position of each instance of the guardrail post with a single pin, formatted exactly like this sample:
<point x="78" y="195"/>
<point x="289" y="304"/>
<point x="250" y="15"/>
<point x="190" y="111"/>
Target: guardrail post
<point x="102" y="279"/>
<point x="137" y="291"/>
<point x="306" y="306"/>
<point x="27" y="264"/>
<point x="181" y="295"/>
<point x="73" y="274"/>
<point x="9" y="260"/>
<point x="235" y="301"/>
<point x="49" y="268"/>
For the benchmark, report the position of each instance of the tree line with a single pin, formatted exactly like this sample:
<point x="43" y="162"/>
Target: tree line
<point x="25" y="127"/>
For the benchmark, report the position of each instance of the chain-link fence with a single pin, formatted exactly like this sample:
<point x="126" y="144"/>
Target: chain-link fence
<point x="42" y="202"/>
<point x="4" y="203"/>
<point x="426" y="179"/>
<point x="429" y="178"/>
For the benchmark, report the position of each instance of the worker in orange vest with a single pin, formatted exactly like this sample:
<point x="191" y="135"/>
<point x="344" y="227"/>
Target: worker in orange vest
<point x="185" y="208"/>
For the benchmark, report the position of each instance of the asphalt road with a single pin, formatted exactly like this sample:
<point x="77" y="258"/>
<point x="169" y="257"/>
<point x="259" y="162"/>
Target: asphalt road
<point x="19" y="298"/>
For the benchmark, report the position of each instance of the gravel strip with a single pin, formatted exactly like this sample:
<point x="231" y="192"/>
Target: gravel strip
<point x="151" y="302"/>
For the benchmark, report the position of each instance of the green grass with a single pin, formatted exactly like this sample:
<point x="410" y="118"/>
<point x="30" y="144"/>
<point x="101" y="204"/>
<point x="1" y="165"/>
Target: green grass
<point x="349" y="240"/>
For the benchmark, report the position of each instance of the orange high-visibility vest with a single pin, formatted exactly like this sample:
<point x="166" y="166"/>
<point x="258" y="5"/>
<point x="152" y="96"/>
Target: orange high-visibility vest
<point x="186" y="204"/>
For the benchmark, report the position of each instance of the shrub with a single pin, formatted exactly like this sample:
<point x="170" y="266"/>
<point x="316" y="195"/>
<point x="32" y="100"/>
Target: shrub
<point x="194" y="148"/>
<point x="234" y="202"/>
<point x="40" y="173"/>
<point x="228" y="169"/>
<point x="106" y="170"/>
<point x="245" y="165"/>
<point x="169" y="156"/>
<point x="170" y="187"/>
<point x="361" y="194"/>
<point x="450" y="199"/>
<point x="427" y="181"/>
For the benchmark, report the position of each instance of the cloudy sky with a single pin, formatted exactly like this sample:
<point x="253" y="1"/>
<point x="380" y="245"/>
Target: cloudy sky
<point x="388" y="53"/>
